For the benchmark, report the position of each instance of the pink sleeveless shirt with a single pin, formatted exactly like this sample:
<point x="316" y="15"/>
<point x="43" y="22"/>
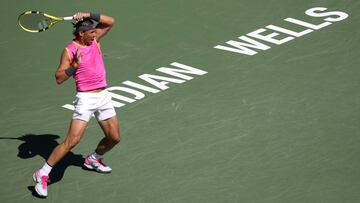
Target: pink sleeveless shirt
<point x="91" y="73"/>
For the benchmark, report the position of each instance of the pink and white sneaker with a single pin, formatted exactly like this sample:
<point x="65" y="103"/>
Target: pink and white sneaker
<point x="41" y="183"/>
<point x="96" y="165"/>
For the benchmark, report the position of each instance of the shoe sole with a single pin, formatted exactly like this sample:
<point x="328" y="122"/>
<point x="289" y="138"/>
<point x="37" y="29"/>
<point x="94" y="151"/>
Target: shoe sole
<point x="34" y="178"/>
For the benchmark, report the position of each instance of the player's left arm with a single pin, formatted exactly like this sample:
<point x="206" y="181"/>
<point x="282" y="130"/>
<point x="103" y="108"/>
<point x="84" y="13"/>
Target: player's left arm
<point x="104" y="25"/>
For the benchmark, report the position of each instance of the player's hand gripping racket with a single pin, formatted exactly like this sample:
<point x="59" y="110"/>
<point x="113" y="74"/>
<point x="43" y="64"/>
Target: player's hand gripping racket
<point x="36" y="21"/>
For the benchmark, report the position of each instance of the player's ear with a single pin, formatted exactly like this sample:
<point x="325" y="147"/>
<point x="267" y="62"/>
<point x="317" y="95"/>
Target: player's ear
<point x="81" y="33"/>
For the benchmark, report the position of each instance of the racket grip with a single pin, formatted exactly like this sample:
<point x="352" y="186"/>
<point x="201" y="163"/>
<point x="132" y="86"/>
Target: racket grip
<point x="68" y="18"/>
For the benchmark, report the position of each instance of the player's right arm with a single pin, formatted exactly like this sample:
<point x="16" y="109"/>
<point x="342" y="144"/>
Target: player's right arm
<point x="60" y="74"/>
<point x="66" y="67"/>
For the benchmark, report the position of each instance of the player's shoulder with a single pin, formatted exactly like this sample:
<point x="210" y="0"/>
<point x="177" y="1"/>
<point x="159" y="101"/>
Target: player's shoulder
<point x="71" y="45"/>
<point x="96" y="42"/>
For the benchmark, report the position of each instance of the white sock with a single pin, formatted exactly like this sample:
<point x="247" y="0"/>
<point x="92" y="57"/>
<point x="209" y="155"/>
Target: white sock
<point x="95" y="156"/>
<point x="46" y="169"/>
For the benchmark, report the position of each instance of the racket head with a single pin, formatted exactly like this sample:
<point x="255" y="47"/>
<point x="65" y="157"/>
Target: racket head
<point x="36" y="21"/>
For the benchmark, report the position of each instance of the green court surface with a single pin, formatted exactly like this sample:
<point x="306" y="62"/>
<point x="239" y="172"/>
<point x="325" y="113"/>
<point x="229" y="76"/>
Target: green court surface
<point x="282" y="125"/>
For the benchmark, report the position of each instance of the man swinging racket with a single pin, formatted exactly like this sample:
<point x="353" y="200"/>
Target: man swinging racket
<point x="82" y="59"/>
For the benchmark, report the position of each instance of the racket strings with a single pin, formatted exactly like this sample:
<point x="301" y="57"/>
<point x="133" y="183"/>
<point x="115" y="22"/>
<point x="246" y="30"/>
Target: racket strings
<point x="34" y="21"/>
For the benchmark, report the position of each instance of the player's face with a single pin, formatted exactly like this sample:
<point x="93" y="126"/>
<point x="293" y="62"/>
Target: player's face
<point x="89" y="36"/>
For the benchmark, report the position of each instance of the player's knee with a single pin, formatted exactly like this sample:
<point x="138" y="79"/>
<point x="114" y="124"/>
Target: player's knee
<point x="71" y="143"/>
<point x="116" y="138"/>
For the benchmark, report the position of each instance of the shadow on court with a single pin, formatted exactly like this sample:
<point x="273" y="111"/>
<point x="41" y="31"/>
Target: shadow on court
<point x="43" y="145"/>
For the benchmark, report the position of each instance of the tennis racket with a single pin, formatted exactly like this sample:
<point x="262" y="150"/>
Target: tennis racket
<point x="36" y="21"/>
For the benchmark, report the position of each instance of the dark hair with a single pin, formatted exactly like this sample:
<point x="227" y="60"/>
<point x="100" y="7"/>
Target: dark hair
<point x="85" y="23"/>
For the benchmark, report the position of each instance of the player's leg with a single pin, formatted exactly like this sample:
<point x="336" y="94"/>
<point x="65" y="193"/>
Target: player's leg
<point x="41" y="176"/>
<point x="76" y="131"/>
<point x="112" y="137"/>
<point x="108" y="121"/>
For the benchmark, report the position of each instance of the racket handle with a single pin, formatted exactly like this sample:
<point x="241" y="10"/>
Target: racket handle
<point x="68" y="18"/>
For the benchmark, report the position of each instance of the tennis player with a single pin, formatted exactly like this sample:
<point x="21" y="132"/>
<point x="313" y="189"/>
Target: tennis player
<point x="82" y="60"/>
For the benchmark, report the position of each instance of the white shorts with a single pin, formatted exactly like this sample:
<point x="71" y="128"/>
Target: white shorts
<point x="97" y="103"/>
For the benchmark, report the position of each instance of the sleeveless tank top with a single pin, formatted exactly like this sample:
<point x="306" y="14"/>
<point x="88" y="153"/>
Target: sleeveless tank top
<point x="91" y="72"/>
